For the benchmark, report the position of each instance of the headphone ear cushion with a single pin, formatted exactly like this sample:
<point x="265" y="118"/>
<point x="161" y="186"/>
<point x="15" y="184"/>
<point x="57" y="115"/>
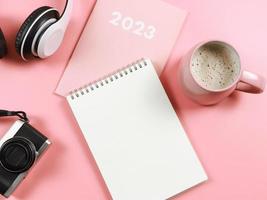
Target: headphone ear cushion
<point x="3" y="45"/>
<point x="30" y="27"/>
<point x="25" y="26"/>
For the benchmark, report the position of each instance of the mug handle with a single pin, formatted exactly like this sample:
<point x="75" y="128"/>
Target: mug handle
<point x="251" y="83"/>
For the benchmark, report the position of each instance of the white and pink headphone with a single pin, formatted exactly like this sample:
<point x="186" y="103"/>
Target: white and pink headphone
<point x="42" y="32"/>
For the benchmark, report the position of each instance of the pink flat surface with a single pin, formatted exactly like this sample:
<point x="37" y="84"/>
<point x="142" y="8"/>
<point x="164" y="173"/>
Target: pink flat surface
<point x="230" y="138"/>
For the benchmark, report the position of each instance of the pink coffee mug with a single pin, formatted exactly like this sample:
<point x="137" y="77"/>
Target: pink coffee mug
<point x="242" y="80"/>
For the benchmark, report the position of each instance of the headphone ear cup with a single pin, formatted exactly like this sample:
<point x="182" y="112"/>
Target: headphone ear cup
<point x="39" y="19"/>
<point x="36" y="44"/>
<point x="3" y="45"/>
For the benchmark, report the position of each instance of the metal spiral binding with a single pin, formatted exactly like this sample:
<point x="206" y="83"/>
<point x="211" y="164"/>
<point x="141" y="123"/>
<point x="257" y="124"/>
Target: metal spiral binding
<point x="108" y="79"/>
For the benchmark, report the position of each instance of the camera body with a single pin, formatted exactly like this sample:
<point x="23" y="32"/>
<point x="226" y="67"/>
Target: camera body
<point x="20" y="148"/>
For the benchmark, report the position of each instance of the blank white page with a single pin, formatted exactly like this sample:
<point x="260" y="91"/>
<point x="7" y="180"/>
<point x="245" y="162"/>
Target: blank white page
<point x="135" y="135"/>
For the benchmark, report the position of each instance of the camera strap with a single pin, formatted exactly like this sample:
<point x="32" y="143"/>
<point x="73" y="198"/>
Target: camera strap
<point x="21" y="114"/>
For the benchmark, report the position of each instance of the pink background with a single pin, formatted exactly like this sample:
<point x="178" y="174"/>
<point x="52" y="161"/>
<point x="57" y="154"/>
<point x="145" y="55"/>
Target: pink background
<point x="230" y="138"/>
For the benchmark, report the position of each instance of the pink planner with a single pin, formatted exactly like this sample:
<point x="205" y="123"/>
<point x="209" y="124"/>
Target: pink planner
<point x="118" y="32"/>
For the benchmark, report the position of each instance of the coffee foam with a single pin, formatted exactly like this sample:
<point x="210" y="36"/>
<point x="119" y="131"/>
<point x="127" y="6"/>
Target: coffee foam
<point x="215" y="66"/>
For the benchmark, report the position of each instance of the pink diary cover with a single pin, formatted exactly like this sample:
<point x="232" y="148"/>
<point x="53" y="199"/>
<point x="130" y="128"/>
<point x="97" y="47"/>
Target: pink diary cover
<point x="119" y="32"/>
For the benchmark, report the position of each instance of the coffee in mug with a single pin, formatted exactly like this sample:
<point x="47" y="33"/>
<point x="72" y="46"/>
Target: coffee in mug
<point x="214" y="67"/>
<point x="212" y="70"/>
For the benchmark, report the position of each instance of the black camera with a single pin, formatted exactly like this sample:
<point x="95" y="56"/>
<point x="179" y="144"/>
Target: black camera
<point x="20" y="148"/>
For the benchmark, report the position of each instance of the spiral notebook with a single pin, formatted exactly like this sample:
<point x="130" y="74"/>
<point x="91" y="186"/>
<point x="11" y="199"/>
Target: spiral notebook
<point x="135" y="135"/>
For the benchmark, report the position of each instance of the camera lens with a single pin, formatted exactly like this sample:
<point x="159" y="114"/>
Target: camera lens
<point x="17" y="154"/>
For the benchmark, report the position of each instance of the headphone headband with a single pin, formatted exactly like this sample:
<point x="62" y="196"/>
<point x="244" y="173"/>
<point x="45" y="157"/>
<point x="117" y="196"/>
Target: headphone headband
<point x="66" y="14"/>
